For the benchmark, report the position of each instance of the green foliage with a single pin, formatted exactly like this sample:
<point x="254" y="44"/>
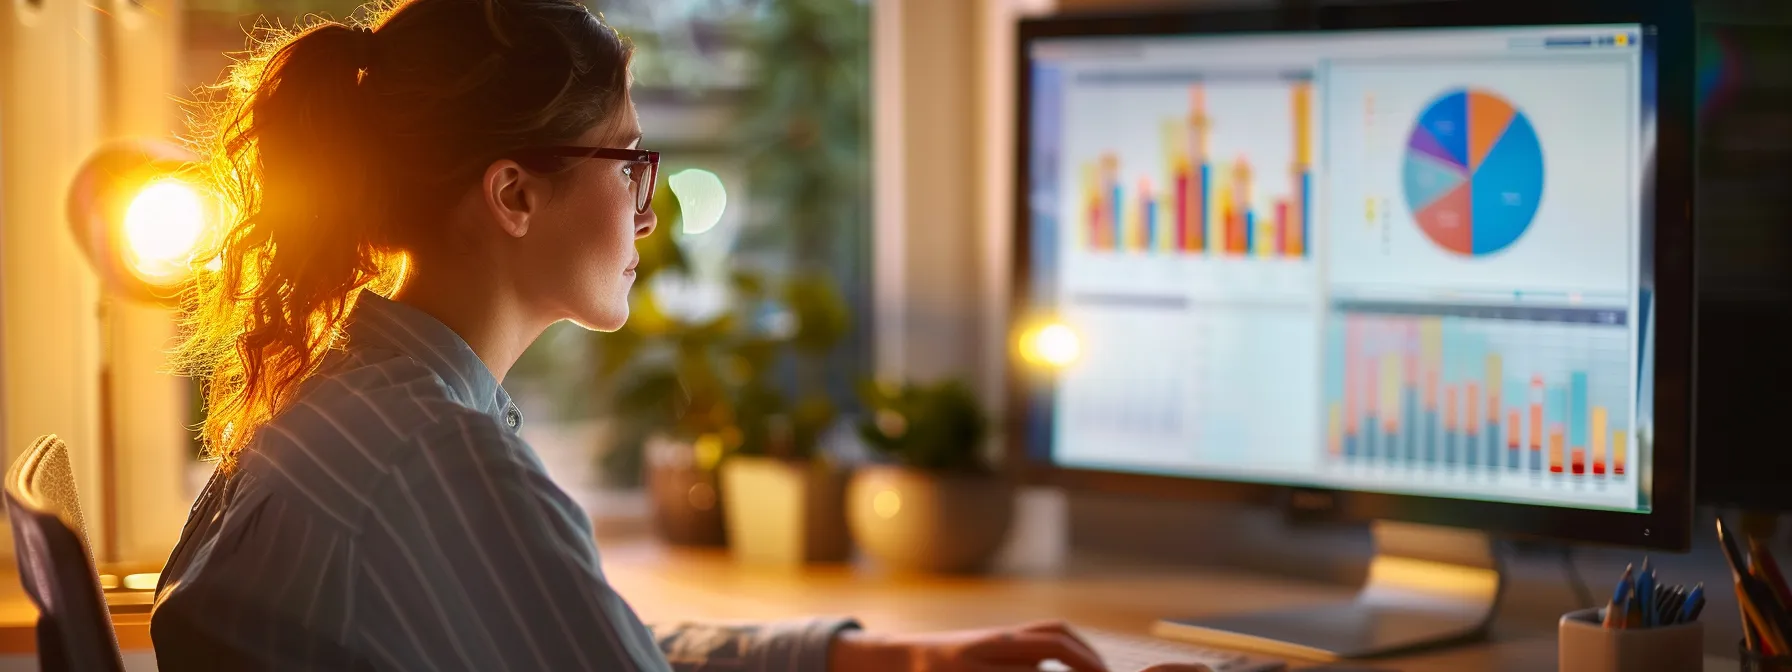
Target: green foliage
<point x="937" y="427"/>
<point x="823" y="317"/>
<point x="805" y="126"/>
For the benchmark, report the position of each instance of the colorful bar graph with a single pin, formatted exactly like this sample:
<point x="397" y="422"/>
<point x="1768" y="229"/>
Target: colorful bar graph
<point x="1555" y="449"/>
<point x="1297" y="224"/>
<point x="1182" y="199"/>
<point x="1597" y="434"/>
<point x="1208" y="205"/>
<point x="1577" y="422"/>
<point x="1435" y="391"/>
<point x="1554" y="408"/>
<point x="1514" y="451"/>
<point x="1334" y="432"/>
<point x="1618" y="437"/>
<point x="1536" y="423"/>
<point x="1494" y="375"/>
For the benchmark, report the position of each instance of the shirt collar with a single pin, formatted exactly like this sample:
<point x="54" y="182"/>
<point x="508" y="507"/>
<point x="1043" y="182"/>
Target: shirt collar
<point x="381" y="322"/>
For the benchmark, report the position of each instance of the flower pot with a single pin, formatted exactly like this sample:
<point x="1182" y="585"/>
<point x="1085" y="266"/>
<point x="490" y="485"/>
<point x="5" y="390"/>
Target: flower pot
<point x="785" y="513"/>
<point x="687" y="504"/>
<point x="919" y="521"/>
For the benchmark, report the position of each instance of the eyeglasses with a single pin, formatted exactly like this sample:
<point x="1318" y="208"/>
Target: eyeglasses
<point x="644" y="166"/>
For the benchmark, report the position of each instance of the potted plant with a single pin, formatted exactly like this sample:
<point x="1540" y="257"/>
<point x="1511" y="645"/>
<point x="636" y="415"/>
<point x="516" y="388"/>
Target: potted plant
<point x="783" y="495"/>
<point x="936" y="506"/>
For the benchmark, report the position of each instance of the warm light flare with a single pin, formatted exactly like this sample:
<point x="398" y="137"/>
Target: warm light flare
<point x="1053" y="345"/>
<point x="162" y="228"/>
<point x="886" y="503"/>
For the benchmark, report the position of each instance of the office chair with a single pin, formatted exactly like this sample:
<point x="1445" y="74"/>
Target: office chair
<point x="74" y="630"/>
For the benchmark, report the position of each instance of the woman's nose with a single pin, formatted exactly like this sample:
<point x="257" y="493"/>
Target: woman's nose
<point x="645" y="223"/>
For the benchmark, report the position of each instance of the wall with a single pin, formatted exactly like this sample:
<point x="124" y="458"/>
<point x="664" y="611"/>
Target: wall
<point x="925" y="267"/>
<point x="49" y="341"/>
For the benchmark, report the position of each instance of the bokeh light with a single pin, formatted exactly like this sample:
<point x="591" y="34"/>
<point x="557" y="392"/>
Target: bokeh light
<point x="1054" y="345"/>
<point x="701" y="198"/>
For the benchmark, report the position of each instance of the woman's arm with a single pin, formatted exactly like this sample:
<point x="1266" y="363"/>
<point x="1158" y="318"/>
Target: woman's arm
<point x="794" y="645"/>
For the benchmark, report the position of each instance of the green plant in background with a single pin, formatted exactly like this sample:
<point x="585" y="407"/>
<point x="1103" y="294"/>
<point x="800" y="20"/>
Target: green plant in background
<point x="938" y="427"/>
<point x="805" y="128"/>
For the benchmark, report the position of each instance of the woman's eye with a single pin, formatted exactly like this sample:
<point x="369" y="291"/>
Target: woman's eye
<point x="628" y="171"/>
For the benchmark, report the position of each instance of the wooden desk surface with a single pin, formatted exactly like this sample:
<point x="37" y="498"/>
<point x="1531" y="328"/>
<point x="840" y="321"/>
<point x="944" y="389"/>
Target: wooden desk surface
<point x="666" y="585"/>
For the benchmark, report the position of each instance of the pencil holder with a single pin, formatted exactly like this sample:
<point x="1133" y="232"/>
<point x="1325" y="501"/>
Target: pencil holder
<point x="1586" y="646"/>
<point x="1753" y="661"/>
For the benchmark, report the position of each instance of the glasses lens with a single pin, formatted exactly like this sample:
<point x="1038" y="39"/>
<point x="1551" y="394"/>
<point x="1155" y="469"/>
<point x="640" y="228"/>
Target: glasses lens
<point x="645" y="178"/>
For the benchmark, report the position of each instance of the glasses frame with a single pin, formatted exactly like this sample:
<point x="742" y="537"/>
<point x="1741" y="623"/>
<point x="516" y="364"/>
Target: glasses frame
<point x="640" y="156"/>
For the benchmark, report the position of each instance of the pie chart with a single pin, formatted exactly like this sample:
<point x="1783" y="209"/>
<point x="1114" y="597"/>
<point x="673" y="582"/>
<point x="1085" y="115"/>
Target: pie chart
<point x="1474" y="172"/>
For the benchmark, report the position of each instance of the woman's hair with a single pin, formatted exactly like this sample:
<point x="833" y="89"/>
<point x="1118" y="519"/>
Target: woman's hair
<point x="337" y="147"/>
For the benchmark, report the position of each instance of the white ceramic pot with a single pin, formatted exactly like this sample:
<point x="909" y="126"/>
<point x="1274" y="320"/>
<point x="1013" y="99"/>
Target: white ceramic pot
<point x="919" y="521"/>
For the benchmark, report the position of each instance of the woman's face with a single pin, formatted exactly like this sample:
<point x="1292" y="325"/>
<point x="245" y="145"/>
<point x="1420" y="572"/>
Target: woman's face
<point x="583" y="259"/>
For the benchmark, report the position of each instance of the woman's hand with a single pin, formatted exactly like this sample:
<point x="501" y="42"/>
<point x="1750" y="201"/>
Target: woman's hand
<point x="1019" y="649"/>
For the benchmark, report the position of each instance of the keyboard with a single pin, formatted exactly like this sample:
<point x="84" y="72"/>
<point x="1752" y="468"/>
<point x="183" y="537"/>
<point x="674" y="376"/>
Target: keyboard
<point x="1131" y="653"/>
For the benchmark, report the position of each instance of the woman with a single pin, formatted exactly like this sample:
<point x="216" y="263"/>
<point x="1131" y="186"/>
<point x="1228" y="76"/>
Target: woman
<point x="416" y="201"/>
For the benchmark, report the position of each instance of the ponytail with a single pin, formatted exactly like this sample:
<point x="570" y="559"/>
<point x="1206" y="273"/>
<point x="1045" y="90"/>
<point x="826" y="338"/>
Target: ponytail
<point x="297" y="160"/>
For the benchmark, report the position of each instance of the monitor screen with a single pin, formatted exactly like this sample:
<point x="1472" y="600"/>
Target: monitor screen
<point x="1412" y="261"/>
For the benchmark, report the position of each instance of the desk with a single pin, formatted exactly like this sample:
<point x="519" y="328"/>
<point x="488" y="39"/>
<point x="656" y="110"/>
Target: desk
<point x="665" y="584"/>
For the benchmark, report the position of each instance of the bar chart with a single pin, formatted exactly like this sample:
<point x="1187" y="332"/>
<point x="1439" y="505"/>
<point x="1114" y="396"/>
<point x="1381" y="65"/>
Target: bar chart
<point x="1199" y="202"/>
<point x="1544" y="397"/>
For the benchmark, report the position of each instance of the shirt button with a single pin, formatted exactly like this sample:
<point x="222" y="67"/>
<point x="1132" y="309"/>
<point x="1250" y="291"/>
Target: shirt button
<point x="511" y="418"/>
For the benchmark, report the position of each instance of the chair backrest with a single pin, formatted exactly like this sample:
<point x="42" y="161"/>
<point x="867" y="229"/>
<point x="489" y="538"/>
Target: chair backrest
<point x="74" y="630"/>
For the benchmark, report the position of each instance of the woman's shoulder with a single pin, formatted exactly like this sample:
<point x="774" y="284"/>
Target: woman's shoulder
<point x="381" y="392"/>
<point x="362" y="415"/>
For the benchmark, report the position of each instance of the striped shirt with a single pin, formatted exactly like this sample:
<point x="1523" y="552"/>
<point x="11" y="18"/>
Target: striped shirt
<point x="392" y="519"/>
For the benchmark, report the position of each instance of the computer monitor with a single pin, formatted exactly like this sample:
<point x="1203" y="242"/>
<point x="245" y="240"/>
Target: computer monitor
<point x="1425" y="264"/>
<point x="1745" y="259"/>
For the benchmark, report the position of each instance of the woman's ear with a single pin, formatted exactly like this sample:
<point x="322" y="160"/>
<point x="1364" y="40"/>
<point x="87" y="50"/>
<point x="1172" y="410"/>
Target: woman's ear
<point x="511" y="195"/>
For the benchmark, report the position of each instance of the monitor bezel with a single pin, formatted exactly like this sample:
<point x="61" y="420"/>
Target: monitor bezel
<point x="1668" y="524"/>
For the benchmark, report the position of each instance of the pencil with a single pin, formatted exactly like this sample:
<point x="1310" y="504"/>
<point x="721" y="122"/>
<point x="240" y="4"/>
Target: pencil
<point x="1764" y="566"/>
<point x="1750" y="638"/>
<point x="1769" y="635"/>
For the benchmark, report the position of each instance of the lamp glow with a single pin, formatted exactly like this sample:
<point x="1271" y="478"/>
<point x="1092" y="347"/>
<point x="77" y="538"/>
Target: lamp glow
<point x="886" y="504"/>
<point x="162" y="226"/>
<point x="1054" y="345"/>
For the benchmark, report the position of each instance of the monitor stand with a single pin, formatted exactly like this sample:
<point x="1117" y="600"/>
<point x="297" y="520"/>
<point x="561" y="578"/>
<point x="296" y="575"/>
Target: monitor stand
<point x="1427" y="586"/>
